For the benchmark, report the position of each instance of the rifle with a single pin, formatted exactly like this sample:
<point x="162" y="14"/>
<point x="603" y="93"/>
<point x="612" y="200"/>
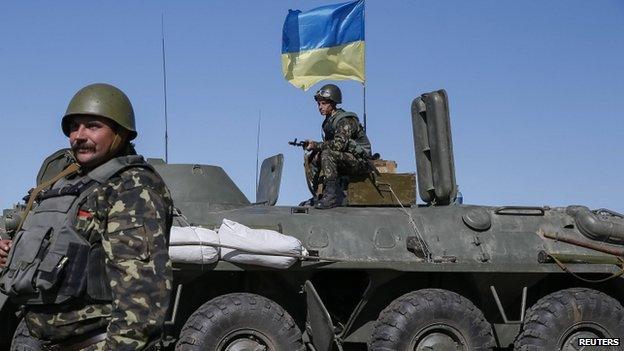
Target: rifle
<point x="302" y="144"/>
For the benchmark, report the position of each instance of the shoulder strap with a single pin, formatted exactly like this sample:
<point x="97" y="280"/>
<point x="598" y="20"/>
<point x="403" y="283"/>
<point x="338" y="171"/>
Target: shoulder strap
<point x="74" y="167"/>
<point x="104" y="172"/>
<point x="343" y="114"/>
<point x="54" y="164"/>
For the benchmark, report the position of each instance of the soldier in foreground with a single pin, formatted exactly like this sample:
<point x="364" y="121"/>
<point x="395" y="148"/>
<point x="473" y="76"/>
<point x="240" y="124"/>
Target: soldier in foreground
<point x="90" y="261"/>
<point x="345" y="149"/>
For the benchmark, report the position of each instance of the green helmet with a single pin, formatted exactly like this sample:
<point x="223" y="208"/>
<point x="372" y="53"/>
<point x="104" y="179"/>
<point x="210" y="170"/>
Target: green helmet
<point x="329" y="92"/>
<point x="103" y="100"/>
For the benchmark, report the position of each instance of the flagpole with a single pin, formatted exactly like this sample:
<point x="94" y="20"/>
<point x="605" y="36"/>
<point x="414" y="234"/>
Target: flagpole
<point x="364" y="98"/>
<point x="364" y="58"/>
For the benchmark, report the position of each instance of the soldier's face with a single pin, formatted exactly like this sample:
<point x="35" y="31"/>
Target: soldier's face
<point x="325" y="107"/>
<point x="91" y="139"/>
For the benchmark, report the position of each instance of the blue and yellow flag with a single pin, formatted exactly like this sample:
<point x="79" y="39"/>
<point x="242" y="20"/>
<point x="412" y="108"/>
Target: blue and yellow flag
<point x="324" y="43"/>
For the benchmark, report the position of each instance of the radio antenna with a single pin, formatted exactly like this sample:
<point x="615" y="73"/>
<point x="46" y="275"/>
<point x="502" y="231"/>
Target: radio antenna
<point x="258" y="147"/>
<point x="162" y="36"/>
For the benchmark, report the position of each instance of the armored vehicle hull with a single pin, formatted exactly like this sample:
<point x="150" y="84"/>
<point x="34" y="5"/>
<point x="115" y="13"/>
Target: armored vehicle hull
<point x="497" y="258"/>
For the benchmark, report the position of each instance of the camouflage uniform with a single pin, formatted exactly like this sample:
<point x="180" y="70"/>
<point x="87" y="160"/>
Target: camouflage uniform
<point x="131" y="215"/>
<point x="345" y="148"/>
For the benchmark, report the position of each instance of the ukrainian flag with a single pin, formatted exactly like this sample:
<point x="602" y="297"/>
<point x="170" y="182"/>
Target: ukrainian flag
<point x="324" y="43"/>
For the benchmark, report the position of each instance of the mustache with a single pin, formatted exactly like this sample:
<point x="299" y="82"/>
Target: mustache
<point x="82" y="145"/>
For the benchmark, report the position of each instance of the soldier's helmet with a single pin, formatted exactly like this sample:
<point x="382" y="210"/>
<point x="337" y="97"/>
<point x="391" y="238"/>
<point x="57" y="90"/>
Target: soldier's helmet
<point x="103" y="100"/>
<point x="329" y="92"/>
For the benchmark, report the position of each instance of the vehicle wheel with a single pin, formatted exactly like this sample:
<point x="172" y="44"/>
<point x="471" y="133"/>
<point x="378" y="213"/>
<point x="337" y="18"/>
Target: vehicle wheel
<point x="431" y="319"/>
<point x="240" y="322"/>
<point x="23" y="341"/>
<point x="559" y="320"/>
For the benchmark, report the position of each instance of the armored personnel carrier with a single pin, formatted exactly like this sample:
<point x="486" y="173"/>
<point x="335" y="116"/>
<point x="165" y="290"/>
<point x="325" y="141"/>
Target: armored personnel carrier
<point x="385" y="273"/>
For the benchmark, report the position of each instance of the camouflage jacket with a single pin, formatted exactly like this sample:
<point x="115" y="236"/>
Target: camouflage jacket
<point x="343" y="132"/>
<point x="132" y="214"/>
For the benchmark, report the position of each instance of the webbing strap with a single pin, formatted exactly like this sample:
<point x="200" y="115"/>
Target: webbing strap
<point x="73" y="168"/>
<point x="614" y="275"/>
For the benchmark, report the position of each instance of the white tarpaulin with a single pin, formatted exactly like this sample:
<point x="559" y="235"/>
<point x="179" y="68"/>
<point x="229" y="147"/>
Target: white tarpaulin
<point x="259" y="240"/>
<point x="190" y="245"/>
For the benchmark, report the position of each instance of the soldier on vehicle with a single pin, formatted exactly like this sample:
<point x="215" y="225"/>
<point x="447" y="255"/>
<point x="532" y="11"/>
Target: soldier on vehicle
<point x="89" y="262"/>
<point x="345" y="149"/>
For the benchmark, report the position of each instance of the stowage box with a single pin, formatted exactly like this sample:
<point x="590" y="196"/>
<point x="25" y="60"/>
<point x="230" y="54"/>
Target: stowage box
<point x="369" y="191"/>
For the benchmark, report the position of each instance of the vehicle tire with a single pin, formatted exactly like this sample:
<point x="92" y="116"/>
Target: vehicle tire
<point x="23" y="341"/>
<point x="240" y="322"/>
<point x="431" y="319"/>
<point x="557" y="321"/>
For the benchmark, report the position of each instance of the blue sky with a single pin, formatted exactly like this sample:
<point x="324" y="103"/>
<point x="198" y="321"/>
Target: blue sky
<point x="535" y="88"/>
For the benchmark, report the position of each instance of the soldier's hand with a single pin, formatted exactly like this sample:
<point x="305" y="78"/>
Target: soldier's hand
<point x="5" y="247"/>
<point x="310" y="145"/>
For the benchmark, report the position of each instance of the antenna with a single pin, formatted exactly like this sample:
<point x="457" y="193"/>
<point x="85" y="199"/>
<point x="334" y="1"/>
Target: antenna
<point x="258" y="147"/>
<point x="162" y="35"/>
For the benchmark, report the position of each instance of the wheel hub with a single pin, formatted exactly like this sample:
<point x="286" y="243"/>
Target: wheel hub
<point x="441" y="337"/>
<point x="569" y="340"/>
<point x="245" y="345"/>
<point x="245" y="340"/>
